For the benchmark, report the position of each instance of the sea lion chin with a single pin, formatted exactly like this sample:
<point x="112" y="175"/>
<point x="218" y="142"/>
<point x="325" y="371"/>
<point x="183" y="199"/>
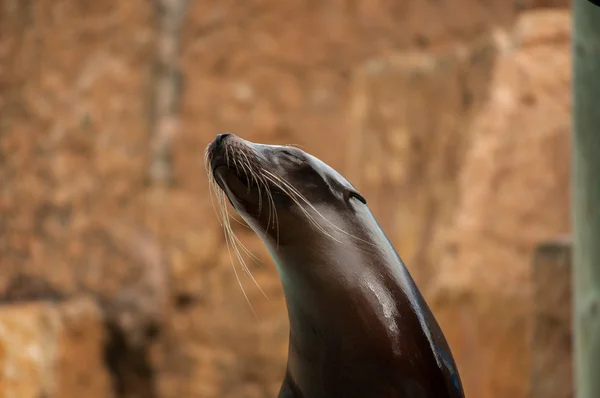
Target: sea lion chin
<point x="359" y="327"/>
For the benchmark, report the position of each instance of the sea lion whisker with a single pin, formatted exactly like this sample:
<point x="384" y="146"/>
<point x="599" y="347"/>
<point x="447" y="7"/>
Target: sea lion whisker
<point x="270" y="203"/>
<point x="254" y="176"/>
<point x="251" y="173"/>
<point x="243" y="224"/>
<point x="293" y="195"/>
<point x="316" y="211"/>
<point x="235" y="164"/>
<point x="211" y="184"/>
<point x="292" y="192"/>
<point x="245" y="249"/>
<point x="247" y="175"/>
<point x="240" y="282"/>
<point x="233" y="235"/>
<point x="276" y="217"/>
<point x="248" y="252"/>
<point x="215" y="188"/>
<point x="273" y="209"/>
<point x="310" y="218"/>
<point x="270" y="208"/>
<point x="235" y="242"/>
<point x="257" y="179"/>
<point x="310" y="204"/>
<point x="227" y="155"/>
<point x="230" y="235"/>
<point x="211" y="189"/>
<point x="227" y="231"/>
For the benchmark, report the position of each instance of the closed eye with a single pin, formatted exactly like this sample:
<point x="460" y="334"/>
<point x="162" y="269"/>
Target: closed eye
<point x="292" y="155"/>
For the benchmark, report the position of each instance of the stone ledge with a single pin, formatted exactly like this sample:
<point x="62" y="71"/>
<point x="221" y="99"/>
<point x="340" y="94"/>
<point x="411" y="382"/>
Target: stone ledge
<point x="552" y="375"/>
<point x="53" y="349"/>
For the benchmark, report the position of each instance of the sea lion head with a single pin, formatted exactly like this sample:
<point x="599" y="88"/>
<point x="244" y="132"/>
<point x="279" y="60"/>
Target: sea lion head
<point x="352" y="304"/>
<point x="282" y="192"/>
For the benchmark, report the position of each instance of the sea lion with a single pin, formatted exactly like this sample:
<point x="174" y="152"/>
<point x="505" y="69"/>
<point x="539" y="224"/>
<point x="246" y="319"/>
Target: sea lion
<point x="359" y="327"/>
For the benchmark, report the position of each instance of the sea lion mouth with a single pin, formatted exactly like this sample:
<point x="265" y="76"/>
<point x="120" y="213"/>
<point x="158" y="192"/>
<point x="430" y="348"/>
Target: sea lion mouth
<point x="239" y="173"/>
<point x="216" y="167"/>
<point x="219" y="173"/>
<point x="222" y="171"/>
<point x="232" y="180"/>
<point x="225" y="169"/>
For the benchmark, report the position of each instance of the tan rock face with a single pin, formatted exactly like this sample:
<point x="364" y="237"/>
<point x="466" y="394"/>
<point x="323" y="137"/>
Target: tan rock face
<point x="53" y="350"/>
<point x="73" y="139"/>
<point x="418" y="83"/>
<point x="513" y="194"/>
<point x="409" y="113"/>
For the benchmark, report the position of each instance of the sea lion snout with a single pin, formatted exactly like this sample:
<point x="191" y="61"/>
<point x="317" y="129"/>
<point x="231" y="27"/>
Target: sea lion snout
<point x="220" y="138"/>
<point x="217" y="150"/>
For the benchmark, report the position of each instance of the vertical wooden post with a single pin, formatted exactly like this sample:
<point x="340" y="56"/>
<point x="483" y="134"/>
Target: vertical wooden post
<point x="586" y="197"/>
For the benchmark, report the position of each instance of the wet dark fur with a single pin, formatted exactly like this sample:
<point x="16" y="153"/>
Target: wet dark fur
<point x="359" y="327"/>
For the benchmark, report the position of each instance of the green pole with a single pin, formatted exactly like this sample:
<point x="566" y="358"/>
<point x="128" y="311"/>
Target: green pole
<point x="586" y="197"/>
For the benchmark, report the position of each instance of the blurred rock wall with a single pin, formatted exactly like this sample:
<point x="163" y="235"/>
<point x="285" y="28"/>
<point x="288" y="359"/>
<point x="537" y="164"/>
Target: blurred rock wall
<point x="452" y="117"/>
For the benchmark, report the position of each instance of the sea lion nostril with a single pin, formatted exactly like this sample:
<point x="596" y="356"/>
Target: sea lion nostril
<point x="220" y="138"/>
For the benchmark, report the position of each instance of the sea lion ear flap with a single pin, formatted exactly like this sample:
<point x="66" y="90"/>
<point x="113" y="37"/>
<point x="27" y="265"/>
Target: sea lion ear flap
<point x="356" y="195"/>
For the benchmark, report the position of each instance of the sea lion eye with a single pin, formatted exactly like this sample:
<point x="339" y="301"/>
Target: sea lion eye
<point x="354" y="194"/>
<point x="292" y="155"/>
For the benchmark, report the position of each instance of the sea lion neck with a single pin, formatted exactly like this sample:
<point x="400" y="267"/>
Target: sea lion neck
<point x="366" y="279"/>
<point x="356" y="303"/>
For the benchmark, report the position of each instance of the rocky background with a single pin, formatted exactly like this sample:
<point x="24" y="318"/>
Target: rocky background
<point x="451" y="116"/>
